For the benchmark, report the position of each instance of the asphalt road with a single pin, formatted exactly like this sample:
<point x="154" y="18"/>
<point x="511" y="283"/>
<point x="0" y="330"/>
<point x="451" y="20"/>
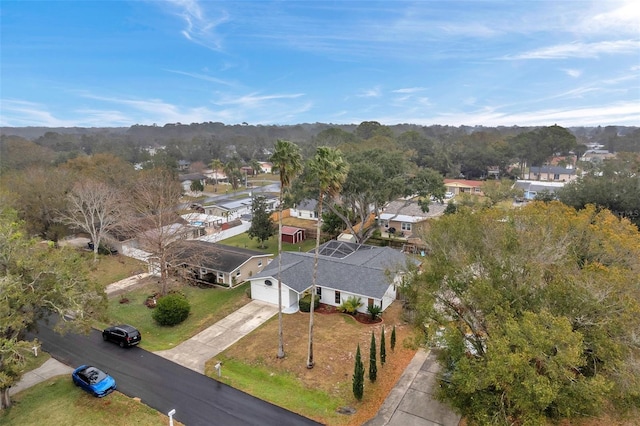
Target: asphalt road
<point x="164" y="385"/>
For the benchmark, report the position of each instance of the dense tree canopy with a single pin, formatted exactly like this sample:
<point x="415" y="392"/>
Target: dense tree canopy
<point x="538" y="308"/>
<point x="36" y="280"/>
<point x="614" y="186"/>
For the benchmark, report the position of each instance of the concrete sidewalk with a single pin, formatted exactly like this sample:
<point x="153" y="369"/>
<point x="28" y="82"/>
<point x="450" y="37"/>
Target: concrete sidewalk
<point x="195" y="352"/>
<point x="411" y="402"/>
<point x="51" y="368"/>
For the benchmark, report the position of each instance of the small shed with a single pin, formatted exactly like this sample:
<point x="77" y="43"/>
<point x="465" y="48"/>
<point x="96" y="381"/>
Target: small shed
<point x="293" y="235"/>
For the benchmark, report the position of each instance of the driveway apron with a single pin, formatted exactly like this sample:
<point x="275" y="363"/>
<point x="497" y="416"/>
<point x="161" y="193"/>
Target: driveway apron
<point x="195" y="352"/>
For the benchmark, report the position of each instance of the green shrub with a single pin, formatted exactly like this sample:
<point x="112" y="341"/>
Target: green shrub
<point x="171" y="309"/>
<point x="350" y="305"/>
<point x="374" y="311"/>
<point x="305" y="303"/>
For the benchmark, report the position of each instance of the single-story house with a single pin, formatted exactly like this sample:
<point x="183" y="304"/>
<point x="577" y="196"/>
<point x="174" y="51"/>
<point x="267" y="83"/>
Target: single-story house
<point x="405" y="218"/>
<point x="345" y="269"/>
<point x="218" y="264"/>
<point x="293" y="235"/>
<point x="532" y="188"/>
<point x="266" y="166"/>
<point x="306" y="209"/>
<point x="187" y="179"/>
<point x="464" y="186"/>
<point x="551" y="173"/>
<point x="206" y="221"/>
<point x="234" y="209"/>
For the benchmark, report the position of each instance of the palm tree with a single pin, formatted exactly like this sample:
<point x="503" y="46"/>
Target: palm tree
<point x="287" y="160"/>
<point x="216" y="165"/>
<point x="327" y="172"/>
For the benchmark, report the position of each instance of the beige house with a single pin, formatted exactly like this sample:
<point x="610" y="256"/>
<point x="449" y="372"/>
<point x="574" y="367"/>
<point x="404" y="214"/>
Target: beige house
<point x="404" y="219"/>
<point x="552" y="174"/>
<point x="217" y="264"/>
<point x="464" y="186"/>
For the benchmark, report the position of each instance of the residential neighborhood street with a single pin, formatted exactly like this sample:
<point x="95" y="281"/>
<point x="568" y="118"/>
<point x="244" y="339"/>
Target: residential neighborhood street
<point x="165" y="385"/>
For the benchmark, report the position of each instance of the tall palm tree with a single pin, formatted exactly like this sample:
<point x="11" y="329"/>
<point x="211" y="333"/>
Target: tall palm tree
<point x="327" y="172"/>
<point x="216" y="165"/>
<point x="287" y="160"/>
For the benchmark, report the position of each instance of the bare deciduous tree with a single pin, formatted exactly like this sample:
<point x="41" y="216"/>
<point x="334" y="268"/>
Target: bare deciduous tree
<point x="94" y="207"/>
<point x="155" y="222"/>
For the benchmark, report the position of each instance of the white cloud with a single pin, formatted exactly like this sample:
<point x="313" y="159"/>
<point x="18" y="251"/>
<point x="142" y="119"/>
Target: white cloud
<point x="616" y="18"/>
<point x="581" y="50"/>
<point x="370" y="93"/>
<point x="204" y="77"/>
<point x="199" y="28"/>
<point x="573" y="73"/>
<point x="19" y="113"/>
<point x="409" y="90"/>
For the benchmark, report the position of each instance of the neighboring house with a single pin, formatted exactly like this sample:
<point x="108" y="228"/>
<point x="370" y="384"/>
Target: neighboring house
<point x="551" y="173"/>
<point x="183" y="165"/>
<point x="597" y="155"/>
<point x="532" y="188"/>
<point x="464" y="186"/>
<point x="208" y="222"/>
<point x="144" y="232"/>
<point x="218" y="264"/>
<point x="292" y="235"/>
<point x="344" y="269"/>
<point x="235" y="209"/>
<point x="404" y="218"/>
<point x="306" y="209"/>
<point x="187" y="179"/>
<point x="266" y="167"/>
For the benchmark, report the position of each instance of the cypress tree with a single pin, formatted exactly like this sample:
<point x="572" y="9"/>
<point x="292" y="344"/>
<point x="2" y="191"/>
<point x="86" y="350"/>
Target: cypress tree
<point x="383" y="349"/>
<point x="358" y="376"/>
<point x="373" y="368"/>
<point x="393" y="338"/>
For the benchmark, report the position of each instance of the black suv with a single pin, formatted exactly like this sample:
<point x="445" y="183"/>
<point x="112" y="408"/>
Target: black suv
<point x="124" y="335"/>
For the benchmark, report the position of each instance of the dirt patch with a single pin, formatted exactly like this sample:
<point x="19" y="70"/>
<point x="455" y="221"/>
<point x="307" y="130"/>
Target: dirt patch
<point x="336" y="337"/>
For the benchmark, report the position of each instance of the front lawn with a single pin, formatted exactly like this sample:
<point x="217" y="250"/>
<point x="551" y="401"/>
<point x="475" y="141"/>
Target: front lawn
<point x="208" y="305"/>
<point x="110" y="269"/>
<point x="58" y="402"/>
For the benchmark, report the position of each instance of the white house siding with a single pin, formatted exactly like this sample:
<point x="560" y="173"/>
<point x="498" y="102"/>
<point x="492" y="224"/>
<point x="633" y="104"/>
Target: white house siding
<point x="269" y="294"/>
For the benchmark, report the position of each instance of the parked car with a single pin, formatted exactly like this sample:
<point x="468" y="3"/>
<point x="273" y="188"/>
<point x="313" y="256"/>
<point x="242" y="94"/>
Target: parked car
<point x="448" y="194"/>
<point x="124" y="334"/>
<point x="93" y="380"/>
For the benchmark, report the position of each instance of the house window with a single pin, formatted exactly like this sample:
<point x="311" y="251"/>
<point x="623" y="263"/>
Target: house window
<point x="268" y="282"/>
<point x="238" y="274"/>
<point x="337" y="298"/>
<point x="260" y="263"/>
<point x="220" y="274"/>
<point x="406" y="226"/>
<point x="319" y="291"/>
<point x="556" y="176"/>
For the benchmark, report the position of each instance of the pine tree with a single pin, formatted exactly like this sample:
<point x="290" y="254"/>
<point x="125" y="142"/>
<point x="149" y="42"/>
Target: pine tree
<point x="393" y="338"/>
<point x="358" y="376"/>
<point x="383" y="349"/>
<point x="373" y="368"/>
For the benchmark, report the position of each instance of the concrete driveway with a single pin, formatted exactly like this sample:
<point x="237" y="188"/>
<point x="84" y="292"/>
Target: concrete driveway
<point x="205" y="345"/>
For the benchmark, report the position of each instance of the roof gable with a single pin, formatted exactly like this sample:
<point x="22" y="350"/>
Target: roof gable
<point x="363" y="271"/>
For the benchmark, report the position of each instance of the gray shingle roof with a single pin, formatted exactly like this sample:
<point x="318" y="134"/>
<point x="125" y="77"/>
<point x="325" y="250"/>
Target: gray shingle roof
<point x="362" y="272"/>
<point x="213" y="256"/>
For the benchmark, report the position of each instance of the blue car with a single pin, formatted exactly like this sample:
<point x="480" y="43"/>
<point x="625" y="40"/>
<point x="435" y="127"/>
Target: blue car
<point x="93" y="380"/>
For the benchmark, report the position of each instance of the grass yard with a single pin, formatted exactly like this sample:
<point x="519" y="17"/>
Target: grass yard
<point x="251" y="365"/>
<point x="110" y="269"/>
<point x="208" y="305"/>
<point x="58" y="402"/>
<point x="271" y="244"/>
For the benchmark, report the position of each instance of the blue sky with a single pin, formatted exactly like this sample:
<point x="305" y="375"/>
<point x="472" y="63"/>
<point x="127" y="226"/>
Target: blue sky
<point x="119" y="63"/>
